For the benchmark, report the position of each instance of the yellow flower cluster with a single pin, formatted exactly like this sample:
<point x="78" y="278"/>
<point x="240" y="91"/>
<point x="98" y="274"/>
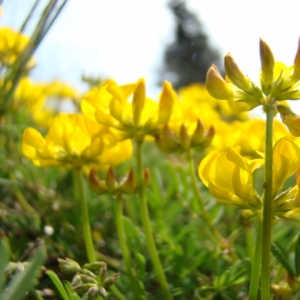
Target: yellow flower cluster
<point x="278" y="81"/>
<point x="101" y="136"/>
<point x="12" y="44"/>
<point x="229" y="177"/>
<point x="33" y="97"/>
<point x="73" y="140"/>
<point x="110" y="105"/>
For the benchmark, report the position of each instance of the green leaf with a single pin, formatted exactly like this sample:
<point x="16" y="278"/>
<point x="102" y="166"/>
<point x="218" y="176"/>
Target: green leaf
<point x="24" y="281"/>
<point x="72" y="295"/>
<point x="297" y="256"/>
<point x="58" y="284"/>
<point x="4" y="257"/>
<point x="283" y="257"/>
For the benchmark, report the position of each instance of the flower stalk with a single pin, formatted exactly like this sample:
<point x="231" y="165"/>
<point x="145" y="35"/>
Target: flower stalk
<point x="267" y="202"/>
<point x="147" y="226"/>
<point x="124" y="248"/>
<point x="256" y="262"/>
<point x="86" y="228"/>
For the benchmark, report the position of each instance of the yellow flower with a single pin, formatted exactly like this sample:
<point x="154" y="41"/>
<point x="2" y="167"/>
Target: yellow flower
<point x="12" y="44"/>
<point x="286" y="162"/>
<point x="34" y="98"/>
<point x="230" y="90"/>
<point x="195" y="101"/>
<point x="228" y="177"/>
<point x="277" y="80"/>
<point x="110" y="106"/>
<point x="290" y="119"/>
<point x="75" y="141"/>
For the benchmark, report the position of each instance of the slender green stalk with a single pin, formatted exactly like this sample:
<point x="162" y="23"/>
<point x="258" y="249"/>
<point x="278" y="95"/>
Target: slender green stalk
<point x="86" y="228"/>
<point x="29" y="16"/>
<point x="124" y="248"/>
<point x="196" y="190"/>
<point x="147" y="226"/>
<point x="267" y="203"/>
<point x="12" y="78"/>
<point x="256" y="262"/>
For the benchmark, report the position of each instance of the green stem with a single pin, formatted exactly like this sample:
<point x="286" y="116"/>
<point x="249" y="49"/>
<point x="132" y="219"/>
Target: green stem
<point x="124" y="248"/>
<point x="256" y="262"/>
<point x="85" y="217"/>
<point x="86" y="228"/>
<point x="267" y="203"/>
<point x="196" y="190"/>
<point x="147" y="226"/>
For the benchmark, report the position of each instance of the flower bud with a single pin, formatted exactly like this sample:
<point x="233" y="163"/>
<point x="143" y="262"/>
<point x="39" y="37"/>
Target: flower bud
<point x="87" y="272"/>
<point x="216" y="85"/>
<point x="88" y="279"/>
<point x="129" y="184"/>
<point x="184" y="137"/>
<point x="138" y="101"/>
<point x="93" y="291"/>
<point x="199" y="139"/>
<point x="68" y="266"/>
<point x="267" y="67"/>
<point x="290" y="119"/>
<point x="102" y="292"/>
<point x="110" y="280"/>
<point x="95" y="266"/>
<point x="82" y="288"/>
<point x="76" y="280"/>
<point x="103" y="271"/>
<point x="169" y="137"/>
<point x="97" y="185"/>
<point x="110" y="180"/>
<point x="235" y="74"/>
<point x="166" y="100"/>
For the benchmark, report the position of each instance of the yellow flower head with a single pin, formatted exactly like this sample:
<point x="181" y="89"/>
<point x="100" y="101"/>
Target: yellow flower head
<point x="228" y="177"/>
<point x="33" y="98"/>
<point x="110" y="105"/>
<point x="12" y="44"/>
<point x="75" y="141"/>
<point x="277" y="81"/>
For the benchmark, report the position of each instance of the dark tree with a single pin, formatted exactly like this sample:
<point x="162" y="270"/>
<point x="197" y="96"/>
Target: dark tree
<point x="189" y="57"/>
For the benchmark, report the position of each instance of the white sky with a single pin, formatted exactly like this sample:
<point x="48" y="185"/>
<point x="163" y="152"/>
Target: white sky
<point x="124" y="39"/>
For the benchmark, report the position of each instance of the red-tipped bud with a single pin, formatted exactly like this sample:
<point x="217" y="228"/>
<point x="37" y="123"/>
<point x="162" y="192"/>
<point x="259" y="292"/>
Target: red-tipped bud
<point x="184" y="137"/>
<point x="110" y="180"/>
<point x="129" y="184"/>
<point x="97" y="185"/>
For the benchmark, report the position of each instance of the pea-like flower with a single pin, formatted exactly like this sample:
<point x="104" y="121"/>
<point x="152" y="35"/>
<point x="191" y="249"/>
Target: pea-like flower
<point x="277" y="81"/>
<point x="111" y="105"/>
<point x="228" y="177"/>
<point x="286" y="162"/>
<point x="290" y="119"/>
<point x="12" y="44"/>
<point x="75" y="141"/>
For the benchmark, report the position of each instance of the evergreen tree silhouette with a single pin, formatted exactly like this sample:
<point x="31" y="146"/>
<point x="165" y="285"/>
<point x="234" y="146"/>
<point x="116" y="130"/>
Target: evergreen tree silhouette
<point x="189" y="57"/>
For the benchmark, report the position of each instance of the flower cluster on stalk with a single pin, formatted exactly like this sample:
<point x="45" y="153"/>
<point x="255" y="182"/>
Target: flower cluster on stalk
<point x="228" y="175"/>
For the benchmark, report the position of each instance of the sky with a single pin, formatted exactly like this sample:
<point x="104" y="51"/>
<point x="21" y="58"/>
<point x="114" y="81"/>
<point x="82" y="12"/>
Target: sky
<point x="125" y="39"/>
